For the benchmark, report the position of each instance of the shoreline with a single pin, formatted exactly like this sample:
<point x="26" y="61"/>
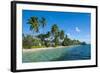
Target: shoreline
<point x="46" y="48"/>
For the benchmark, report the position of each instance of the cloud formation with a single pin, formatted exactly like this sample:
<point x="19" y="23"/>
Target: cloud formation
<point x="77" y="29"/>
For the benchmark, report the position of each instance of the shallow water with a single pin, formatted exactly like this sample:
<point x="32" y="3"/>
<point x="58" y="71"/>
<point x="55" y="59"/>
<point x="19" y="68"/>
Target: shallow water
<point x="81" y="52"/>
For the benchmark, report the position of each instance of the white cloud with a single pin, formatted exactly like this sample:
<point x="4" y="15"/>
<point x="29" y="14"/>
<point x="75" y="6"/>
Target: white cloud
<point x="68" y="34"/>
<point x="77" y="29"/>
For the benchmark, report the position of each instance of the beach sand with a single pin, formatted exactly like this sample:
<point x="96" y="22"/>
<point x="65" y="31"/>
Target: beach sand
<point x="46" y="48"/>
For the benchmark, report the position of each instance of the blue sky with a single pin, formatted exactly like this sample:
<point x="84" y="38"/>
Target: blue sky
<point x="76" y="25"/>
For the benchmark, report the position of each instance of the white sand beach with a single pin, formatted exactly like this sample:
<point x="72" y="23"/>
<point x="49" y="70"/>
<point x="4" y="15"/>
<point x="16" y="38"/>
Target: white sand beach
<point x="38" y="49"/>
<point x="46" y="48"/>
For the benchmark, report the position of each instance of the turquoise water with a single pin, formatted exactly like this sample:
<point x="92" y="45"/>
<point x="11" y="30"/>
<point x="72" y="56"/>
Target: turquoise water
<point x="80" y="52"/>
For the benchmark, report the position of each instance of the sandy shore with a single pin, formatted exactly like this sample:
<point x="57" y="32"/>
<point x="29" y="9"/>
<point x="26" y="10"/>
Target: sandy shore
<point x="38" y="49"/>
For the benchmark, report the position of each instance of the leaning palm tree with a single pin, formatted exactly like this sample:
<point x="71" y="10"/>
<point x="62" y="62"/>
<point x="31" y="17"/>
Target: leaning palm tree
<point x="34" y="24"/>
<point x="43" y="22"/>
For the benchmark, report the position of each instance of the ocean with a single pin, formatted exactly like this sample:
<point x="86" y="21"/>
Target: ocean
<point x="78" y="52"/>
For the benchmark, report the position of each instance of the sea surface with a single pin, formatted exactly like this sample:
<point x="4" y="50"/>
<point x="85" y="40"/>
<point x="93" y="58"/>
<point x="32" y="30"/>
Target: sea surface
<point x="78" y="52"/>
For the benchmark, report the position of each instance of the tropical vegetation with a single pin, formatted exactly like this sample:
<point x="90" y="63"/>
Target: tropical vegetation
<point x="53" y="38"/>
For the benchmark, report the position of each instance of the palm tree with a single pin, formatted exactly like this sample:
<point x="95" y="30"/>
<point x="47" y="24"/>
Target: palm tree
<point x="43" y="22"/>
<point x="48" y="34"/>
<point x="65" y="42"/>
<point x="56" y="41"/>
<point x="34" y="24"/>
<point x="55" y="33"/>
<point x="54" y="30"/>
<point x="61" y="35"/>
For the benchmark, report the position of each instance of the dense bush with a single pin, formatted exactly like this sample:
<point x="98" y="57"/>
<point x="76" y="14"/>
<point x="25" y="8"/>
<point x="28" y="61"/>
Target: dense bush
<point x="27" y="42"/>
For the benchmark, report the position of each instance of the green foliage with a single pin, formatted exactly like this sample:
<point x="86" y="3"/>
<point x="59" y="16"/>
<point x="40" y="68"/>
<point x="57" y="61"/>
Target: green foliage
<point x="54" y="29"/>
<point x="47" y="43"/>
<point x="56" y="41"/>
<point x="36" y="42"/>
<point x="34" y="47"/>
<point x="76" y="42"/>
<point x="48" y="34"/>
<point x="27" y="42"/>
<point x="62" y="34"/>
<point x="42" y="36"/>
<point x="66" y="41"/>
<point x="34" y="24"/>
<point x="43" y="22"/>
<point x="83" y="43"/>
<point x="57" y="36"/>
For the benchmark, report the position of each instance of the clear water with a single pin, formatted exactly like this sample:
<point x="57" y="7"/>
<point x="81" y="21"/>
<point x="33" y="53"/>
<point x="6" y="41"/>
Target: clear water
<point x="80" y="52"/>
